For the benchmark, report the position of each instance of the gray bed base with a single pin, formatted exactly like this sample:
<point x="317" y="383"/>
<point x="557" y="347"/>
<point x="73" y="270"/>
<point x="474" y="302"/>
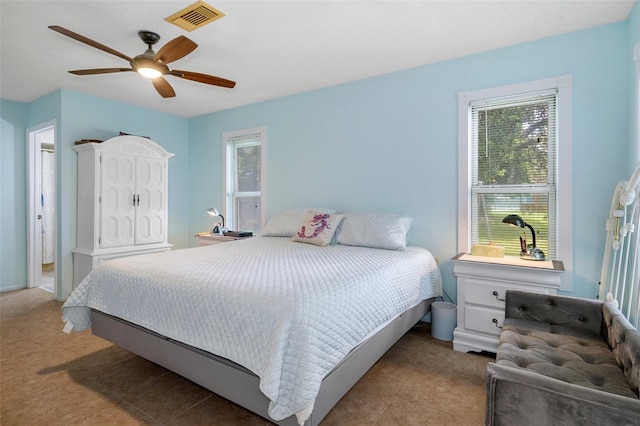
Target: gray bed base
<point x="241" y="386"/>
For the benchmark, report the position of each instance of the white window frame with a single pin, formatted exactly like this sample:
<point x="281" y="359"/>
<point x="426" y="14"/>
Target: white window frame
<point x="564" y="235"/>
<point x="228" y="139"/>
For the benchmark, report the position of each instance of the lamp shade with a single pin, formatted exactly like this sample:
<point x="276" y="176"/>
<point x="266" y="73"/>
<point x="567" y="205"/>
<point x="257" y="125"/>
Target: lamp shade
<point x="515" y="220"/>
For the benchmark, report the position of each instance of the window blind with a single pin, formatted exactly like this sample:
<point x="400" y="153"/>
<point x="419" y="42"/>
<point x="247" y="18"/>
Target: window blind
<point x="512" y="165"/>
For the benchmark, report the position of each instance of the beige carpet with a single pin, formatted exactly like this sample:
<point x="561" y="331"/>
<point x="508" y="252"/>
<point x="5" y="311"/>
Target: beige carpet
<point x="51" y="378"/>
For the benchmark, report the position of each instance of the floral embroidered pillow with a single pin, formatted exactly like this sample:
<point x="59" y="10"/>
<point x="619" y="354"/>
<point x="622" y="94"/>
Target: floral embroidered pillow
<point x="287" y="223"/>
<point x="318" y="228"/>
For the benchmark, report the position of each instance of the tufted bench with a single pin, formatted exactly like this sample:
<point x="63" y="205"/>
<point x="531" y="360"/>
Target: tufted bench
<point x="564" y="361"/>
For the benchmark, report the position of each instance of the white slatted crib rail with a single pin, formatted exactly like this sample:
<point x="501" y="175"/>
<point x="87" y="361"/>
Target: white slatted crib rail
<point x="620" y="279"/>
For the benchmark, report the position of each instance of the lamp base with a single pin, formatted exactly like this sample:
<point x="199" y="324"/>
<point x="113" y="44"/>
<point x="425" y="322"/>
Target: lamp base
<point x="530" y="257"/>
<point x="218" y="229"/>
<point x="532" y="253"/>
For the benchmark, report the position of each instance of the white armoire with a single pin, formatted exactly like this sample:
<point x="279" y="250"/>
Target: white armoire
<point x="122" y="201"/>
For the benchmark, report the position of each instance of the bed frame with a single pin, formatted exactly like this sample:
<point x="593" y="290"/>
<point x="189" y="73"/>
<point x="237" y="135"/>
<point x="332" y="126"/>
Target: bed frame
<point x="620" y="277"/>
<point x="241" y="386"/>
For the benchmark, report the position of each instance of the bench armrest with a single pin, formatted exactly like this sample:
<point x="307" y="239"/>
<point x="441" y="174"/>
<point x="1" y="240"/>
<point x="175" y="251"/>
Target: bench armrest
<point x="520" y="397"/>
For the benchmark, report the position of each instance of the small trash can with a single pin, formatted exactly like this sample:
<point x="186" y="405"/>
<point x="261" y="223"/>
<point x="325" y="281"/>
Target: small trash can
<point x="443" y="320"/>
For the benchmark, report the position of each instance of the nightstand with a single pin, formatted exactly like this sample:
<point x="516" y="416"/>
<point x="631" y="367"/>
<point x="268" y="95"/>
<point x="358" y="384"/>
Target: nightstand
<point x="205" y="239"/>
<point x="482" y="283"/>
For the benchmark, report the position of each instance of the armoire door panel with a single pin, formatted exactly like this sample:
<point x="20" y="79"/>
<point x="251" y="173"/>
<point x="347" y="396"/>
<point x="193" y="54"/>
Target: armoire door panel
<point x="118" y="169"/>
<point x="149" y="228"/>
<point x="151" y="172"/>
<point x="150" y="211"/>
<point x="117" y="232"/>
<point x="152" y="201"/>
<point x="116" y="206"/>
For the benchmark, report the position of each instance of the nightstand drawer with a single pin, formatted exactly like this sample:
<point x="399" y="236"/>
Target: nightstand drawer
<point x="482" y="320"/>
<point x="487" y="294"/>
<point x="492" y="294"/>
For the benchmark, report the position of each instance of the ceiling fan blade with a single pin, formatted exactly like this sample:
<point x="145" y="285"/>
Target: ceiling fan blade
<point x="88" y="41"/>
<point x="99" y="71"/>
<point x="176" y="49"/>
<point x="163" y="87"/>
<point x="204" y="78"/>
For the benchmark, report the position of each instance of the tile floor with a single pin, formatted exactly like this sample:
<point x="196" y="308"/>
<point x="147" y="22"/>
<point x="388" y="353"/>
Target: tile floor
<point x="51" y="378"/>
<point x="47" y="282"/>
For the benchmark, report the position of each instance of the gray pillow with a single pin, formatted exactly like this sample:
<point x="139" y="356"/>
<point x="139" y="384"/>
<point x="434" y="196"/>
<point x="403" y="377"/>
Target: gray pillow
<point x="376" y="230"/>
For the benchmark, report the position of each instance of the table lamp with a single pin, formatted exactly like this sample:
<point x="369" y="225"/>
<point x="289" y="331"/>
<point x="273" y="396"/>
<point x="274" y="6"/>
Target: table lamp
<point x="527" y="252"/>
<point x="216" y="229"/>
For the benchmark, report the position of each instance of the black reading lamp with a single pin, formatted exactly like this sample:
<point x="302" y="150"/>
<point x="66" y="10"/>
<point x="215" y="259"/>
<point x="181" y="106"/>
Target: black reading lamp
<point x="217" y="229"/>
<point x="527" y="252"/>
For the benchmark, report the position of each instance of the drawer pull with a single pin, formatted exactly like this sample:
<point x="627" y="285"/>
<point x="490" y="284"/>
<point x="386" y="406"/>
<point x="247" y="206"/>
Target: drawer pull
<point x="495" y="293"/>
<point x="495" y="322"/>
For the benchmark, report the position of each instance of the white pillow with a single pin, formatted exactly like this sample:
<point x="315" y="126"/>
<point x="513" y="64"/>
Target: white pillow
<point x="318" y="228"/>
<point x="287" y="222"/>
<point x="376" y="230"/>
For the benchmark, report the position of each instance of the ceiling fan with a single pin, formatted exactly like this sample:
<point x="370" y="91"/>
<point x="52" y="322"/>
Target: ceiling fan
<point x="150" y="64"/>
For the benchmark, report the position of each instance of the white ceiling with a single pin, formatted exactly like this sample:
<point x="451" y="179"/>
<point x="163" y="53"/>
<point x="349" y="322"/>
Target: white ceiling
<point x="270" y="48"/>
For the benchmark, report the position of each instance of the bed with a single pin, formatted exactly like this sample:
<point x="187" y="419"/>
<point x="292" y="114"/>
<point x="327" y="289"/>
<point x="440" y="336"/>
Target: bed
<point x="277" y="326"/>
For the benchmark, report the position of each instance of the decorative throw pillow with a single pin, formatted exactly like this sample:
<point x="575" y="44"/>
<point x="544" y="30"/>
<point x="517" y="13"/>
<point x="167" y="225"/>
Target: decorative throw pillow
<point x="287" y="222"/>
<point x="318" y="228"/>
<point x="376" y="230"/>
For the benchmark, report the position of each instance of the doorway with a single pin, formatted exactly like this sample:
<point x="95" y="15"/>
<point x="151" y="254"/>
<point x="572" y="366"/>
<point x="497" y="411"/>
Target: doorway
<point x="41" y="220"/>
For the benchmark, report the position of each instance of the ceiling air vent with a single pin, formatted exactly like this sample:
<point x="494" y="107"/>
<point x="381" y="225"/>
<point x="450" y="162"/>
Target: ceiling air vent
<point x="195" y="16"/>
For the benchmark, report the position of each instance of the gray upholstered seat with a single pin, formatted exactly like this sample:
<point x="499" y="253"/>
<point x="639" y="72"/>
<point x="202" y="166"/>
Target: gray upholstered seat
<point x="584" y="362"/>
<point x="564" y="360"/>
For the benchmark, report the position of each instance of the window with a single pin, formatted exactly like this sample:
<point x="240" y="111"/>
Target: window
<point x="515" y="158"/>
<point x="244" y="179"/>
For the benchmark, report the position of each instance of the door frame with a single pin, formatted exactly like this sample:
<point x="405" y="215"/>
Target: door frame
<point x="34" y="207"/>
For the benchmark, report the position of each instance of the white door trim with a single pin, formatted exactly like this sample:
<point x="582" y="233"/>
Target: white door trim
<point x="34" y="209"/>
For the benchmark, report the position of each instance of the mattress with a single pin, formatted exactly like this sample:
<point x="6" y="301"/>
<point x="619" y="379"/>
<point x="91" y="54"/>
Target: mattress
<point x="287" y="311"/>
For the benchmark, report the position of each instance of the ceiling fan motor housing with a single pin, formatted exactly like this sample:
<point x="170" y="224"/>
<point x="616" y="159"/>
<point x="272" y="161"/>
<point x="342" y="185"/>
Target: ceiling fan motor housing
<point x="148" y="37"/>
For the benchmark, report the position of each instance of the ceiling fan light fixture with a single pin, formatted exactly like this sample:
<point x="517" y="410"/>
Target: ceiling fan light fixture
<point x="149" y="72"/>
<point x="147" y="67"/>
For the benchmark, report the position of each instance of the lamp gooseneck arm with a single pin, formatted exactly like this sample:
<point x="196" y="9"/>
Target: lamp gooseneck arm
<point x="222" y="217"/>
<point x="533" y="234"/>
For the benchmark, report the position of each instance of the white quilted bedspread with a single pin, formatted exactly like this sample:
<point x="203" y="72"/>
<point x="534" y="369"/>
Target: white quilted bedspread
<point x="287" y="311"/>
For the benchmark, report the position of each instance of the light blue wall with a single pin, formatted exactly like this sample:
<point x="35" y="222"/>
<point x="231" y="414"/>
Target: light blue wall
<point x="634" y="113"/>
<point x="390" y="144"/>
<point x="386" y="144"/>
<point x="81" y="116"/>
<point x="13" y="204"/>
